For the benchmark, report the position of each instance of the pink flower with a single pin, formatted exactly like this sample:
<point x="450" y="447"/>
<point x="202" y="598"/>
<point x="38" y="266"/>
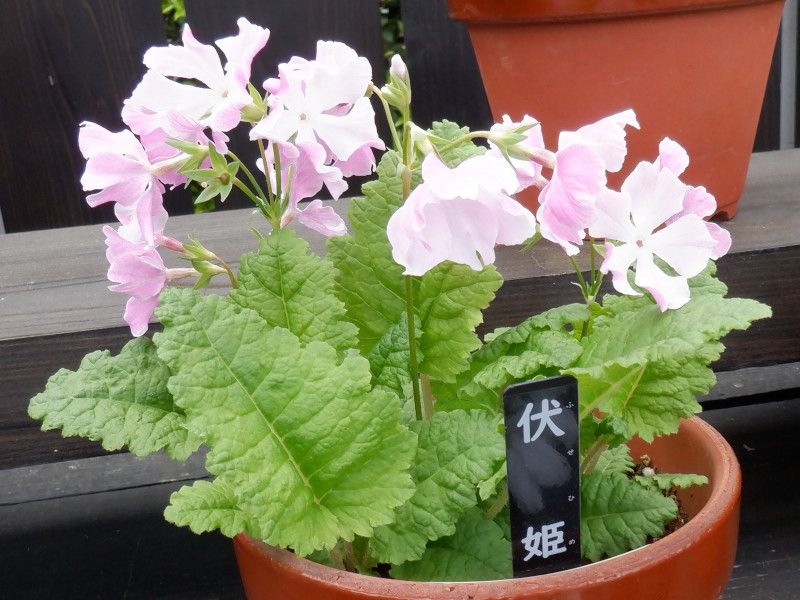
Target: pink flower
<point x="137" y="270"/>
<point x="697" y="200"/>
<point x="605" y="137"/>
<point x="459" y="214"/>
<point x="218" y="105"/>
<point x="528" y="172"/>
<point x="305" y="162"/>
<point x="567" y="202"/>
<point x="323" y="101"/>
<point x="651" y="197"/>
<point x="118" y="166"/>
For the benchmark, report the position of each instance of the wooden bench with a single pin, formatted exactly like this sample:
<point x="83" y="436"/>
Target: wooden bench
<point x="76" y="522"/>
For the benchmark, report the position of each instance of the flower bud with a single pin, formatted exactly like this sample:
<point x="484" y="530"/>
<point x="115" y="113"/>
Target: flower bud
<point x="398" y="68"/>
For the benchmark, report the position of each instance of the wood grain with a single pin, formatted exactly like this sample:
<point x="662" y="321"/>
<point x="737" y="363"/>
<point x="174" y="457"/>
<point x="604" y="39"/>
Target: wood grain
<point x="62" y="62"/>
<point x="447" y="82"/>
<point x="54" y="305"/>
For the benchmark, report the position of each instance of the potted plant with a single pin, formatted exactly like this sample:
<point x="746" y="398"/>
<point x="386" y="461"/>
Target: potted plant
<point x="694" y="69"/>
<point x="352" y="415"/>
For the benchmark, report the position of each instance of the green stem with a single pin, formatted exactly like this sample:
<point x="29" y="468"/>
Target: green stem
<point x="231" y="275"/>
<point x="278" y="184"/>
<point x="258" y="201"/>
<point x="498" y="505"/>
<point x="581" y="280"/>
<point x="464" y="138"/>
<point x="263" y="152"/>
<point x="249" y="175"/>
<point x="413" y="366"/>
<point x="592" y="456"/>
<point x="388" y="112"/>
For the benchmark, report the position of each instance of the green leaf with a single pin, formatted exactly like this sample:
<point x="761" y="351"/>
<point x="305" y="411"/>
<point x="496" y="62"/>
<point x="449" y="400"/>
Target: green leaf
<point x="488" y="488"/>
<point x="647" y="367"/>
<point x="457" y="450"/>
<point x="538" y="347"/>
<point x="478" y="551"/>
<point x="618" y="514"/>
<point x="615" y="460"/>
<point x="443" y="133"/>
<point x="313" y="453"/>
<point x="206" y="506"/>
<point x="368" y="280"/>
<point x="118" y="400"/>
<point x="291" y="287"/>
<point x="389" y="362"/>
<point x="448" y="299"/>
<point x="666" y="482"/>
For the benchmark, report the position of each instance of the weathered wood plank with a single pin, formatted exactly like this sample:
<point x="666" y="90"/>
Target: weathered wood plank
<point x="54" y="281"/>
<point x="63" y="62"/>
<point x="447" y="82"/>
<point x="54" y="306"/>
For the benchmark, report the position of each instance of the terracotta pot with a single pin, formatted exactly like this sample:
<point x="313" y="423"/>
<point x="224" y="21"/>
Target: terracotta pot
<point x="694" y="563"/>
<point x="693" y="70"/>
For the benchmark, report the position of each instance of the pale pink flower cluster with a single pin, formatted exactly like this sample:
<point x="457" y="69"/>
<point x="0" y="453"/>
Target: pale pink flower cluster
<point x="323" y="126"/>
<point x="460" y="214"/>
<point x="132" y="172"/>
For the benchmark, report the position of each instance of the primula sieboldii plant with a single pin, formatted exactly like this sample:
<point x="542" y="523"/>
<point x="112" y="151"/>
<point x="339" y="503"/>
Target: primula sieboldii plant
<point x="349" y="409"/>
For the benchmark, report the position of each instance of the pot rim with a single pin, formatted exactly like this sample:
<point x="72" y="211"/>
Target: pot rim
<point x="725" y="484"/>
<point x="502" y="11"/>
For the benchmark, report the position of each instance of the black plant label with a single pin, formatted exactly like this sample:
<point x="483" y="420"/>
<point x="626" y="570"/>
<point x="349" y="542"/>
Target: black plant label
<point x="541" y="419"/>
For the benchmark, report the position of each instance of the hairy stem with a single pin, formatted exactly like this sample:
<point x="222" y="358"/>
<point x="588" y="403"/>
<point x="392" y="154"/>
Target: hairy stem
<point x="498" y="505"/>
<point x="413" y="366"/>
<point x="263" y="152"/>
<point x="256" y="200"/>
<point x="464" y="138"/>
<point x="592" y="456"/>
<point x="249" y="175"/>
<point x="388" y="112"/>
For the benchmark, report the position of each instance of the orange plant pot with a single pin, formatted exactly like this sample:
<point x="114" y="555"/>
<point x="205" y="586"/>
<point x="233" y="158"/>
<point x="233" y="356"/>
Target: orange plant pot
<point x="693" y="70"/>
<point x="693" y="563"/>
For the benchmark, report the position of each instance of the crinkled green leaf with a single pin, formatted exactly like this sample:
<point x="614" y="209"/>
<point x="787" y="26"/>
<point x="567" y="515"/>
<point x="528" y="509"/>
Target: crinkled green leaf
<point x="119" y="401"/>
<point x="666" y="482"/>
<point x="313" y="453"/>
<point x="538" y="347"/>
<point x="647" y="367"/>
<point x="608" y="430"/>
<point x="457" y="450"/>
<point x="488" y="488"/>
<point x="445" y="132"/>
<point x="291" y="287"/>
<point x="389" y="362"/>
<point x="368" y="280"/>
<point x="615" y="460"/>
<point x="448" y="299"/>
<point x="478" y="551"/>
<point x="207" y="506"/>
<point x="618" y="514"/>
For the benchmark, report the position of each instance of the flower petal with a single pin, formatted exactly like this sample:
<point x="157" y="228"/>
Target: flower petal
<point x="567" y="202"/>
<point x="241" y="49"/>
<point x="657" y="195"/>
<point x="668" y="291"/>
<point x="618" y="261"/>
<point x="613" y="217"/>
<point x="672" y="156"/>
<point x="605" y="137"/>
<point x="345" y="134"/>
<point x="322" y="219"/>
<point x="138" y="313"/>
<point x="684" y="245"/>
<point x="489" y="172"/>
<point x="192" y="60"/>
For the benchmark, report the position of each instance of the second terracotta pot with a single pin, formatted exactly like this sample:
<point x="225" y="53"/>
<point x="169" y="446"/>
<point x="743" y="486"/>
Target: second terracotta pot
<point x="693" y="70"/>
<point x="694" y="563"/>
